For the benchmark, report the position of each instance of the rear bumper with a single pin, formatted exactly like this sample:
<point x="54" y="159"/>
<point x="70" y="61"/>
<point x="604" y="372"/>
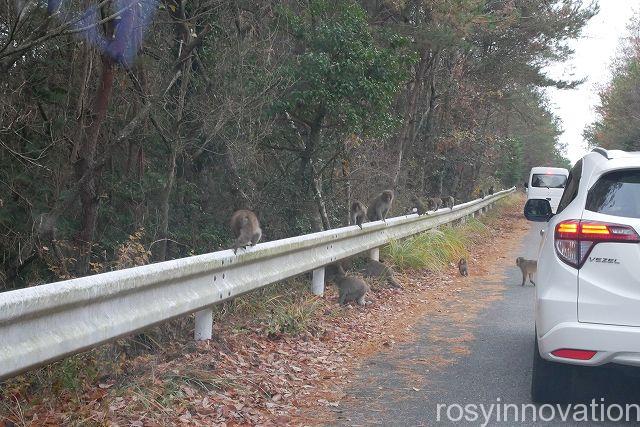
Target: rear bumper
<point x="614" y="344"/>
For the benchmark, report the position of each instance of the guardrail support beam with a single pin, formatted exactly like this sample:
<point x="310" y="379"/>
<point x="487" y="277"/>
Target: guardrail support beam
<point x="204" y="324"/>
<point x="374" y="254"/>
<point x="317" y="282"/>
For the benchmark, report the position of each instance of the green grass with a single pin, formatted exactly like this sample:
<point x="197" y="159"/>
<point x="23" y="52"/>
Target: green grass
<point x="283" y="308"/>
<point x="436" y="249"/>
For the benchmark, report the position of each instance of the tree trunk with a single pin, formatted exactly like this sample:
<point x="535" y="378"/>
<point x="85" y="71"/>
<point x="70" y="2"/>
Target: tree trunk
<point x="165" y="204"/>
<point x="86" y="165"/>
<point x="413" y="94"/>
<point x="347" y="189"/>
<point x="317" y="195"/>
<point x="241" y="199"/>
<point x="307" y="175"/>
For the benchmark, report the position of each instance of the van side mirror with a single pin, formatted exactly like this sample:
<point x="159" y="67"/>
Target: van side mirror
<point x="526" y="185"/>
<point x="538" y="210"/>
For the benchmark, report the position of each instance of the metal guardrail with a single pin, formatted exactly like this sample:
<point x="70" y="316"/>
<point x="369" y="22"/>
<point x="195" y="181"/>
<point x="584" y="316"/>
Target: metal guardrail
<point x="44" y="323"/>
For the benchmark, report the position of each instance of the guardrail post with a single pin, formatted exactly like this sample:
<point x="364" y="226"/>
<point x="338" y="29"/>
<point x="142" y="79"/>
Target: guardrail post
<point x="317" y="282"/>
<point x="204" y="324"/>
<point x="374" y="254"/>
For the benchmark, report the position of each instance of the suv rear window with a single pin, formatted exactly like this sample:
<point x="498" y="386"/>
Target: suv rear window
<point x="548" y="180"/>
<point x="616" y="193"/>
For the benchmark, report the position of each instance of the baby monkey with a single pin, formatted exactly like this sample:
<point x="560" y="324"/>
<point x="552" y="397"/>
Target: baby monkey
<point x="350" y="288"/>
<point x="380" y="206"/>
<point x="246" y="229"/>
<point x="463" y="267"/>
<point x="528" y="268"/>
<point x="358" y="213"/>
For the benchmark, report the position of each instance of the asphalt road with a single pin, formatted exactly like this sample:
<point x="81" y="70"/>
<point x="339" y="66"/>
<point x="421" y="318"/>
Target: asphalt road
<point x="395" y="388"/>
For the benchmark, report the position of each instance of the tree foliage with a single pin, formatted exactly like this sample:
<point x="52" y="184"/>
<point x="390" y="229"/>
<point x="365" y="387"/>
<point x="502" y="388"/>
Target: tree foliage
<point x="618" y="125"/>
<point x="157" y="119"/>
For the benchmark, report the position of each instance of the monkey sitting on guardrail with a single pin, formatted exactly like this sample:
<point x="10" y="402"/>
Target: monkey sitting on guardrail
<point x="434" y="203"/>
<point x="358" y="213"/>
<point x="419" y="205"/>
<point x="448" y="202"/>
<point x="380" y="206"/>
<point x="246" y="229"/>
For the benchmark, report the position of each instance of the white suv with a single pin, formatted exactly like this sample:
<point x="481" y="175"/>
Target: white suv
<point x="588" y="279"/>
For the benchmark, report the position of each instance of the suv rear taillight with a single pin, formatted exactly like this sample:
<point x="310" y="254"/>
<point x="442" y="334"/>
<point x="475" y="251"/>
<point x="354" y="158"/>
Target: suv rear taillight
<point x="574" y="239"/>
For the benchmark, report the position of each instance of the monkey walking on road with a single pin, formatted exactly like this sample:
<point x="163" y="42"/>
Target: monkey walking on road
<point x="358" y="213"/>
<point x="245" y="228"/>
<point x="463" y="267"/>
<point x="380" y="206"/>
<point x="528" y="268"/>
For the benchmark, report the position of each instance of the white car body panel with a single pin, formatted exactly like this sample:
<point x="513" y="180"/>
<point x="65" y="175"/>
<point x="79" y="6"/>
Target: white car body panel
<point x="595" y="307"/>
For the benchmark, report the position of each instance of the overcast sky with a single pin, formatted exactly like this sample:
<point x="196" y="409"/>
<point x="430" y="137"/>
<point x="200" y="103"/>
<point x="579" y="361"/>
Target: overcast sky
<point x="594" y="53"/>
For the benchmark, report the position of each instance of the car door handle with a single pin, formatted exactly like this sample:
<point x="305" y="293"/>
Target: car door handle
<point x="541" y="233"/>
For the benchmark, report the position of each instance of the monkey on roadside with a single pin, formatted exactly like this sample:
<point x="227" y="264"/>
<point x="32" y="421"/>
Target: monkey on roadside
<point x="434" y="203"/>
<point x="378" y="270"/>
<point x="350" y="288"/>
<point x="491" y="190"/>
<point x="332" y="270"/>
<point x="419" y="205"/>
<point x="528" y="268"/>
<point x="463" y="267"/>
<point x="482" y="195"/>
<point x="358" y="213"/>
<point x="245" y="228"/>
<point x="380" y="206"/>
<point x="448" y="202"/>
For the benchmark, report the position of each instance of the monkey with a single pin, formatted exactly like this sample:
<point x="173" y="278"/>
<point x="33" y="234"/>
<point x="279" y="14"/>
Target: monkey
<point x="332" y="270"/>
<point x="376" y="269"/>
<point x="434" y="203"/>
<point x="358" y="213"/>
<point x="528" y="268"/>
<point x="380" y="206"/>
<point x="350" y="288"/>
<point x="491" y="190"/>
<point x="419" y="205"/>
<point x="448" y="202"/>
<point x="246" y="229"/>
<point x="482" y="194"/>
<point x="463" y="267"/>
